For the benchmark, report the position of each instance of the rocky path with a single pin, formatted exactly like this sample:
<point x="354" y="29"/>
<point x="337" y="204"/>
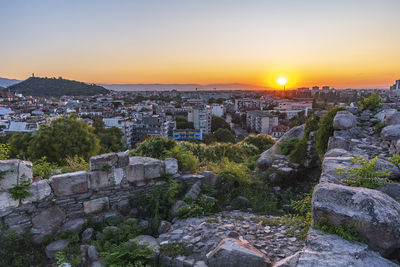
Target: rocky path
<point x="203" y="234"/>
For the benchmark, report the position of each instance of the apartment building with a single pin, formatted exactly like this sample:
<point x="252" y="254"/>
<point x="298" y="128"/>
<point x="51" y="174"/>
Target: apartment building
<point x="261" y="121"/>
<point x="201" y="118"/>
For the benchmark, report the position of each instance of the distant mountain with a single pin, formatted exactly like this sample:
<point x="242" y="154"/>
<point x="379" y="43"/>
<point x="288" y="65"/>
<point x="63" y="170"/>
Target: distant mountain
<point x="4" y="82"/>
<point x="185" y="87"/>
<point x="35" y="86"/>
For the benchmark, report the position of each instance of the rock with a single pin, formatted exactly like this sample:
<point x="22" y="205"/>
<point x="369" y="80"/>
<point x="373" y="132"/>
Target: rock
<point x="194" y="191"/>
<point x="233" y="234"/>
<point x="39" y="190"/>
<point x="295" y="132"/>
<point x="200" y="264"/>
<point x="382" y="115"/>
<point x="241" y="202"/>
<point x="56" y="246"/>
<point x="375" y="215"/>
<point x="338" y="142"/>
<point x="332" y="251"/>
<point x="233" y="252"/>
<point x="74" y="225"/>
<point x="290" y="261"/>
<point x="47" y="221"/>
<point x="123" y="160"/>
<point x="264" y="163"/>
<point x="92" y="253"/>
<point x="117" y="175"/>
<point x="7" y="202"/>
<point x="97" y="264"/>
<point x="152" y="168"/>
<point x="176" y="206"/>
<point x="98" y="180"/>
<point x="171" y="166"/>
<point x="391" y="132"/>
<point x="149" y="241"/>
<point x="210" y="178"/>
<point x="191" y="178"/>
<point x="69" y="183"/>
<point x="103" y="162"/>
<point x="387" y="165"/>
<point x="87" y="234"/>
<point x="14" y="172"/>
<point x="398" y="146"/>
<point x="392" y="119"/>
<point x="164" y="227"/>
<point x="96" y="205"/>
<point x="135" y="173"/>
<point x="274" y="178"/>
<point x="391" y="189"/>
<point x="344" y="120"/>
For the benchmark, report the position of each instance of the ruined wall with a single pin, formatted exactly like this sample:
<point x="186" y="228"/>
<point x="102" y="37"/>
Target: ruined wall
<point x="113" y="183"/>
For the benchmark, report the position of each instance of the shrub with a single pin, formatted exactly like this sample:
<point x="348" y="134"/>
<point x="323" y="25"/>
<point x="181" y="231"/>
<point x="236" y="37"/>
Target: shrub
<point x="43" y="168"/>
<point x="379" y="126"/>
<point x="76" y="163"/>
<point x="175" y="249"/>
<point x="4" y="150"/>
<point x="20" y="191"/>
<point x="71" y="254"/>
<point x="186" y="159"/>
<point x="366" y="175"/>
<point x="153" y="147"/>
<point x="299" y="152"/>
<point x="200" y="206"/>
<point x="345" y="232"/>
<point x="287" y="145"/>
<point x="128" y="254"/>
<point x="395" y="159"/>
<point x="325" y="130"/>
<point x="262" y="141"/>
<point x="370" y="103"/>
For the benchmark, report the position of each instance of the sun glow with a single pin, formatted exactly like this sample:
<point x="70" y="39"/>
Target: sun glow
<point x="282" y="81"/>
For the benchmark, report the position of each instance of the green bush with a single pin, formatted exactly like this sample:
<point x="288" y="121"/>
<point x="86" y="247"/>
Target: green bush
<point x="43" y="168"/>
<point x="344" y="231"/>
<point x="153" y="147"/>
<point x="299" y="152"/>
<point x="175" y="249"/>
<point x="20" y="191"/>
<point x="261" y="141"/>
<point x="370" y="103"/>
<point x="366" y="175"/>
<point x="186" y="159"/>
<point x="129" y="254"/>
<point x="71" y="254"/>
<point x="200" y="206"/>
<point x="395" y="159"/>
<point x="325" y="130"/>
<point x="287" y="145"/>
<point x="379" y="126"/>
<point x="4" y="151"/>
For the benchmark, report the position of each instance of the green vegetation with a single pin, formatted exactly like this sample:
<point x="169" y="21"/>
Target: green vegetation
<point x="110" y="139"/>
<point x="287" y="145"/>
<point x="4" y="151"/>
<point x="154" y="147"/>
<point x="220" y="135"/>
<point x="344" y="231"/>
<point x="20" y="191"/>
<point x="34" y="86"/>
<point x="325" y="130"/>
<point x="219" y="123"/>
<point x="379" y="126"/>
<point x="43" y="168"/>
<point x="370" y="103"/>
<point x="395" y="159"/>
<point x="201" y="206"/>
<point x="366" y="175"/>
<point x="175" y="249"/>
<point x="183" y="123"/>
<point x="186" y="159"/>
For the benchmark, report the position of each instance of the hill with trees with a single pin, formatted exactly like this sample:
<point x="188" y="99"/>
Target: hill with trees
<point x="35" y="86"/>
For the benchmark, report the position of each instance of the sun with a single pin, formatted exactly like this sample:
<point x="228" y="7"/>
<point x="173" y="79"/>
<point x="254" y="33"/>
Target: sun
<point x="281" y="80"/>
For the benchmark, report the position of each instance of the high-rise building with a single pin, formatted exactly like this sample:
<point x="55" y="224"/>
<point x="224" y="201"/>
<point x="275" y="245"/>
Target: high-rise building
<point x="201" y="118"/>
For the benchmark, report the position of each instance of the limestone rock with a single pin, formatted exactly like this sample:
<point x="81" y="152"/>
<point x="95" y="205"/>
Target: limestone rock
<point x="87" y="234"/>
<point x="92" y="253"/>
<point x="123" y="160"/>
<point x="56" y="246"/>
<point x="210" y="178"/>
<point x="74" y="225"/>
<point x="164" y="227"/>
<point x="375" y="215"/>
<point x="387" y="165"/>
<point x="236" y="253"/>
<point x="338" y="142"/>
<point x="13" y="172"/>
<point x="39" y="190"/>
<point x="332" y="251"/>
<point x="344" y="120"/>
<point x="194" y="191"/>
<point x="96" y="205"/>
<point x="98" y="180"/>
<point x="171" y="166"/>
<point x="392" y="119"/>
<point x="391" y="189"/>
<point x="7" y="202"/>
<point x="149" y="241"/>
<point x="264" y="163"/>
<point x="382" y="115"/>
<point x="135" y="173"/>
<point x="391" y="132"/>
<point x="47" y="221"/>
<point x="295" y="132"/>
<point x="102" y="162"/>
<point x="69" y="183"/>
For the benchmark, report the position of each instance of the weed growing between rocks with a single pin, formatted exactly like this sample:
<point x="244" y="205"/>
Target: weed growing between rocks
<point x="201" y="206"/>
<point x="175" y="249"/>
<point x="345" y="232"/>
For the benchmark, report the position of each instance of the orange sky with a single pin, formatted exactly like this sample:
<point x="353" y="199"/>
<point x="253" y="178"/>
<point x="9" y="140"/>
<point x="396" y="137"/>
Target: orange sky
<point x="338" y="43"/>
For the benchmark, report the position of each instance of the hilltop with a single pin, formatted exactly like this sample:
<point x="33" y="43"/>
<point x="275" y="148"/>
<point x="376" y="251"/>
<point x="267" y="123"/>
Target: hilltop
<point x="35" y="86"/>
<point x="4" y="82"/>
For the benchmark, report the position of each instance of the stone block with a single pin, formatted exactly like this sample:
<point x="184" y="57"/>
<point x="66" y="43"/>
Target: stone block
<point x="135" y="173"/>
<point x="69" y="183"/>
<point x="171" y="166"/>
<point x="103" y="161"/>
<point x="98" y="180"/>
<point x="14" y="171"/>
<point x="96" y="205"/>
<point x="117" y="175"/>
<point x="153" y="169"/>
<point x="39" y="190"/>
<point x="48" y="221"/>
<point x="123" y="160"/>
<point x="7" y="202"/>
<point x="56" y="246"/>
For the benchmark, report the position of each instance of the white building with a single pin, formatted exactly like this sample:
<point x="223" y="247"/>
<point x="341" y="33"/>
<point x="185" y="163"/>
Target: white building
<point x="125" y="125"/>
<point x="261" y="121"/>
<point x="217" y="110"/>
<point x="201" y="118"/>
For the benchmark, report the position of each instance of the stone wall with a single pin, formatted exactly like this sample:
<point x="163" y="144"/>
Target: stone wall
<point x="115" y="182"/>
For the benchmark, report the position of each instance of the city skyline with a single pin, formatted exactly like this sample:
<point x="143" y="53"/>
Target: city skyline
<point x="338" y="43"/>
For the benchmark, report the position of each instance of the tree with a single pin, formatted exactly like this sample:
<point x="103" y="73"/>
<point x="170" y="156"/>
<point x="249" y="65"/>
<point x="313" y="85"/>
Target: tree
<point x="19" y="144"/>
<point x="111" y="140"/>
<point x="224" y="135"/>
<point x="65" y="137"/>
<point x="219" y="123"/>
<point x="183" y="123"/>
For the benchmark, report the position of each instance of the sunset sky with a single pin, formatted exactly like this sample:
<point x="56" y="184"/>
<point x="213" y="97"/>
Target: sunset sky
<point x="341" y="43"/>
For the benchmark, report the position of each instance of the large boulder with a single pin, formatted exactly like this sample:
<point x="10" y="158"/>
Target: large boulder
<point x="335" y="160"/>
<point x="103" y="162"/>
<point x="382" y="115"/>
<point x="391" y="132"/>
<point x="171" y="166"/>
<point x="69" y="183"/>
<point x="295" y="132"/>
<point x="13" y="172"/>
<point x="344" y="120"/>
<point x="383" y="164"/>
<point x="332" y="251"/>
<point x="47" y="222"/>
<point x="393" y="119"/>
<point x="236" y="253"/>
<point x="375" y="215"/>
<point x="391" y="189"/>
<point x="338" y="142"/>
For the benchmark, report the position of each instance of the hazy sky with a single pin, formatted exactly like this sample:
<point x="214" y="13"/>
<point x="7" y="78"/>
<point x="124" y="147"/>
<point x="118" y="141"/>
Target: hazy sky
<point x="342" y="43"/>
